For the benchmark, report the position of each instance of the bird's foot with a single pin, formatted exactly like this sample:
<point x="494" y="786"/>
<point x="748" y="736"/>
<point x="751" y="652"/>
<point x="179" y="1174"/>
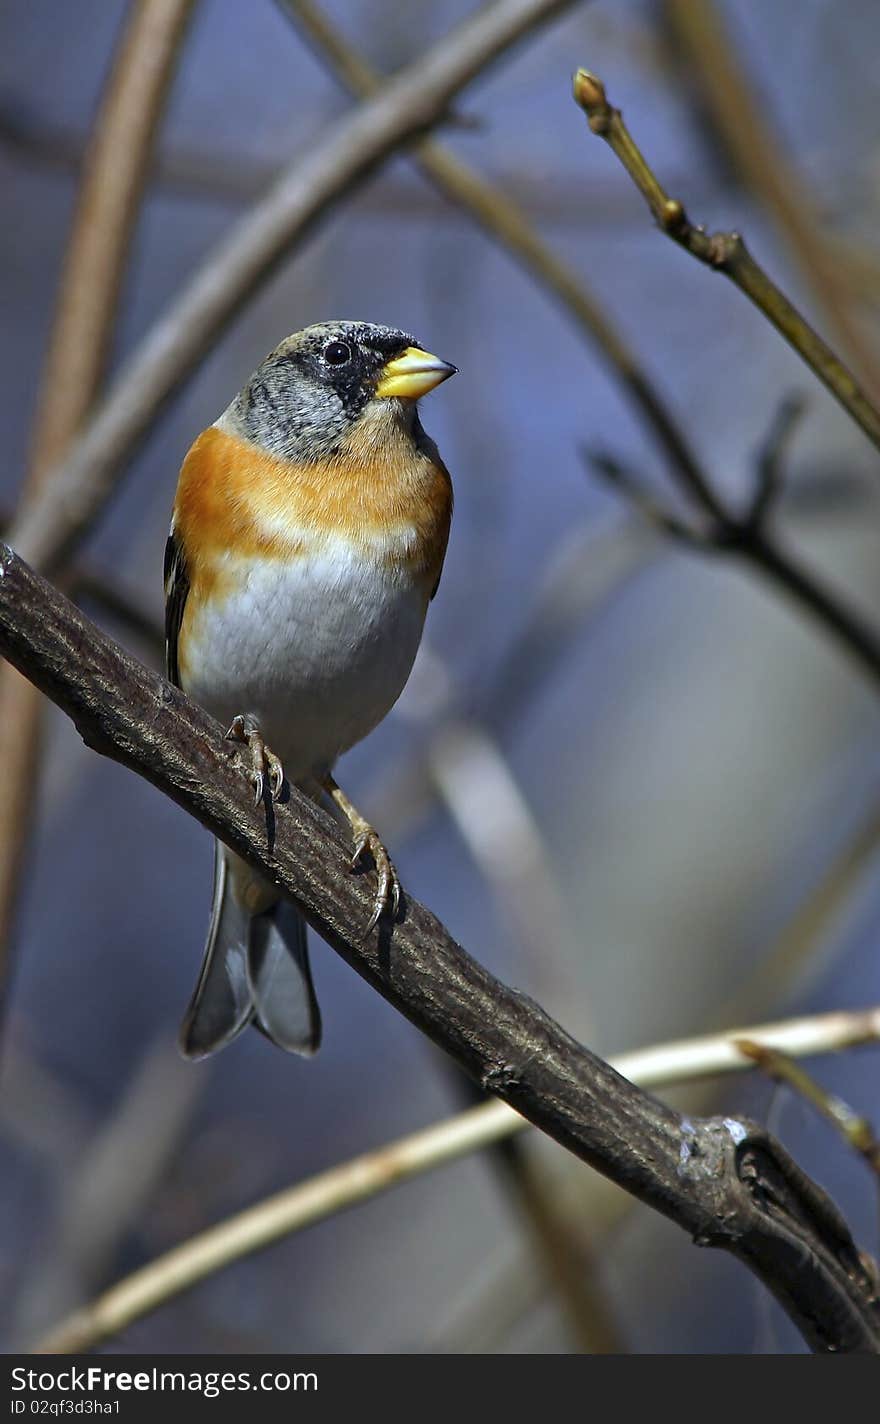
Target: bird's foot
<point x="245" y="728"/>
<point x="366" y="839"/>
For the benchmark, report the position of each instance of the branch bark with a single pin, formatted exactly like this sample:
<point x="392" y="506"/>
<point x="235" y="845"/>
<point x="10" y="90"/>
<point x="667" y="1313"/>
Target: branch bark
<point x="725" y="1181"/>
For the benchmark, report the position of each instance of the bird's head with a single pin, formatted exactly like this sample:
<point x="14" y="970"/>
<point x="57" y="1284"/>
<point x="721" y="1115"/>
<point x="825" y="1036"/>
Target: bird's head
<point x="303" y="401"/>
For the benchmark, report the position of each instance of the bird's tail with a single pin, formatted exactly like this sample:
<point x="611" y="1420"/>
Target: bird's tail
<point x="255" y="969"/>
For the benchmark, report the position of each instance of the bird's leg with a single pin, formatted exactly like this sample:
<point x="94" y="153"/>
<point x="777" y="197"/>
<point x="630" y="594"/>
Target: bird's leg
<point x="245" y="728"/>
<point x="366" y="839"/>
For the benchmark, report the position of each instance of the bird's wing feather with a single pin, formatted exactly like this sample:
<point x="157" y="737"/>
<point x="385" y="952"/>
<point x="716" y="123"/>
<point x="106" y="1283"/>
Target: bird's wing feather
<point x="176" y="591"/>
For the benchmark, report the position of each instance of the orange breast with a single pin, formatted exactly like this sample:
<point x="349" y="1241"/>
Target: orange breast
<point x="382" y="495"/>
<point x="393" y="501"/>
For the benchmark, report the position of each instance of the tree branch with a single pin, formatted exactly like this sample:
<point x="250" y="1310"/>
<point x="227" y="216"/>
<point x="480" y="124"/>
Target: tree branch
<point x="725" y="252"/>
<point x="725" y="1181"/>
<point x="749" y="538"/>
<point x="740" y="116"/>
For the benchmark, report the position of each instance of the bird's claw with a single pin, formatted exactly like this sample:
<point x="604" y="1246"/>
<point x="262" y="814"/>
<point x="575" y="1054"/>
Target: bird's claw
<point x="388" y="886"/>
<point x="367" y="840"/>
<point x="246" y="729"/>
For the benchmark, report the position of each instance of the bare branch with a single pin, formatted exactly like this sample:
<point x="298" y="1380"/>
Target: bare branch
<point x="725" y="1181"/>
<point x="624" y="482"/>
<point x="751" y="542"/>
<point x="373" y="1172"/>
<point x="769" y="463"/>
<point x="725" y="252"/>
<point x="747" y="538"/>
<point x="744" y="128"/>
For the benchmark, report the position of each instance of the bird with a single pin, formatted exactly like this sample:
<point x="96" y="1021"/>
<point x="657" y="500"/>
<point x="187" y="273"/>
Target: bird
<point x="307" y="539"/>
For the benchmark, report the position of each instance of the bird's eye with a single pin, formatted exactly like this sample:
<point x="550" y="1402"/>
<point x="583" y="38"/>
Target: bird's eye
<point x="337" y="353"/>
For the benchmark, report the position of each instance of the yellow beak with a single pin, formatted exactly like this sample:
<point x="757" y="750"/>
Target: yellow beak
<point x="413" y="374"/>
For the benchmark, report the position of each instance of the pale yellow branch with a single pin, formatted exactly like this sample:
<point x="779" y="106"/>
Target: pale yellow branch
<point x="373" y="1172"/>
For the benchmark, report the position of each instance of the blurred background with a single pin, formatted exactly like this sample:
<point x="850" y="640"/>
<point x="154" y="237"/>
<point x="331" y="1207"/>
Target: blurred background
<point x="633" y="781"/>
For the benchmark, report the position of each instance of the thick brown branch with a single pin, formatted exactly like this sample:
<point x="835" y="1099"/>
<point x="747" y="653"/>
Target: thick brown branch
<point x="725" y="1181"/>
<point x="725" y="252"/>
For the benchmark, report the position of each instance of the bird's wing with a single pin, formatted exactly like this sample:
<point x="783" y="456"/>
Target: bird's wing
<point x="176" y="590"/>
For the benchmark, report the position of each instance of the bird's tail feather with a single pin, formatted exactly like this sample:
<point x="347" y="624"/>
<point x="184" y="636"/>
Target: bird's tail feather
<point x="255" y="969"/>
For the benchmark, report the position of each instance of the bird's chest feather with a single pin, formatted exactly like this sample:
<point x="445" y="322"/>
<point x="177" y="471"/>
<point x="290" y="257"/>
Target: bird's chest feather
<point x="318" y="648"/>
<point x="307" y="623"/>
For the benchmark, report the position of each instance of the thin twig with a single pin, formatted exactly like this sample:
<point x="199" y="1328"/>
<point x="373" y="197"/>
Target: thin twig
<point x="855" y="1129"/>
<point x="742" y="123"/>
<point x="636" y="493"/>
<point x="770" y="461"/>
<point x="725" y="1181"/>
<point x="108" y="202"/>
<point x="410" y="103"/>
<point x="753" y="542"/>
<point x="725" y="252"/>
<point x="569" y="1264"/>
<point x="785" y="959"/>
<point x="373" y="1172"/>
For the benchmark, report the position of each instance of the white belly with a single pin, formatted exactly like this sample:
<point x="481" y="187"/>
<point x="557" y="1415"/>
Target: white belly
<point x="318" y="649"/>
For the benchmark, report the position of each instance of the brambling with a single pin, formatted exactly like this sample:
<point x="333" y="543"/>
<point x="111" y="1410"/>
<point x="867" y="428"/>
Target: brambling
<point x="308" y="536"/>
